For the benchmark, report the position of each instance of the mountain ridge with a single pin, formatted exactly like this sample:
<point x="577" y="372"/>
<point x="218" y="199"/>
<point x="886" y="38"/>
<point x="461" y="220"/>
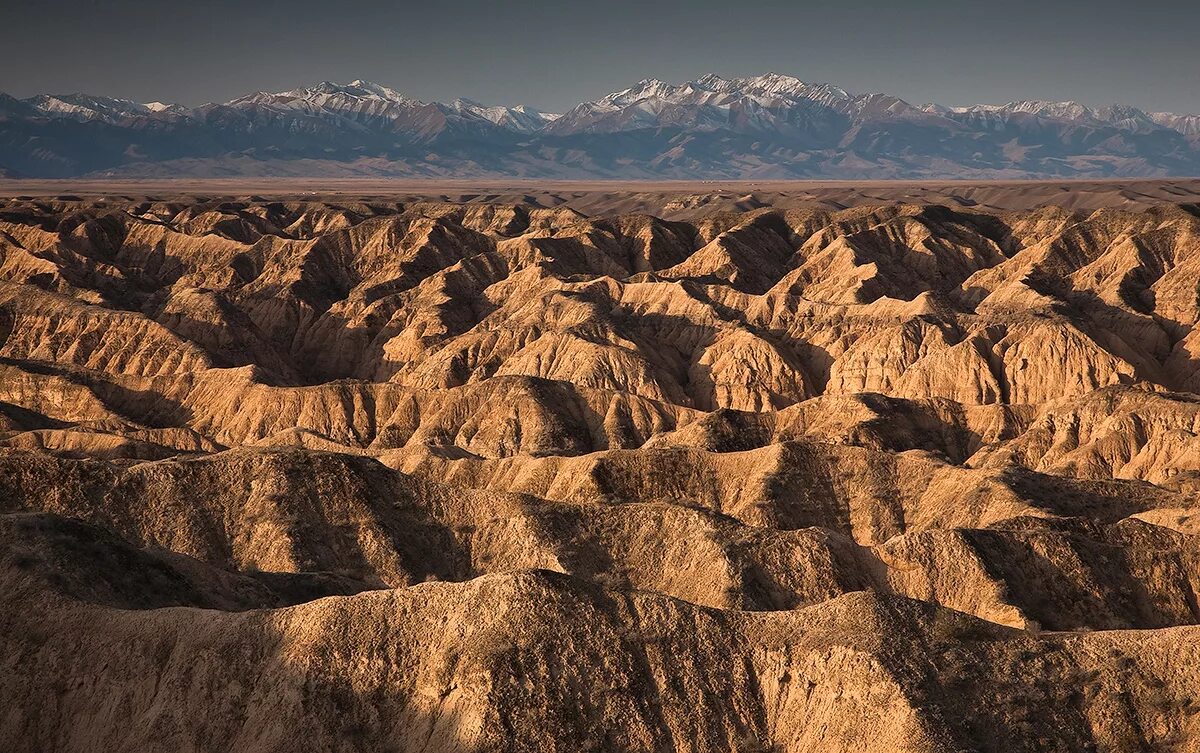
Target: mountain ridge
<point x="773" y="125"/>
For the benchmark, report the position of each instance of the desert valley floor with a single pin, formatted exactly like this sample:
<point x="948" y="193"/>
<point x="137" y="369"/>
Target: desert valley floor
<point x="672" y="467"/>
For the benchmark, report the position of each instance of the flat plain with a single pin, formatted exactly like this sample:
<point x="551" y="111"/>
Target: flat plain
<point x="666" y="197"/>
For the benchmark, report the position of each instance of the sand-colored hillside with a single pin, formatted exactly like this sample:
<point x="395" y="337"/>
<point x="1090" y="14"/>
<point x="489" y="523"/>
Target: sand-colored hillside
<point x="826" y="468"/>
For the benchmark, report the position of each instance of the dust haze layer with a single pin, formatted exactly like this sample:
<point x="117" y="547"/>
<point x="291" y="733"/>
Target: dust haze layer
<point x="912" y="468"/>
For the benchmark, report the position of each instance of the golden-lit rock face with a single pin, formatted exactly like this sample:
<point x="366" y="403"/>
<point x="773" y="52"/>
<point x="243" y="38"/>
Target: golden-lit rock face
<point x="437" y="476"/>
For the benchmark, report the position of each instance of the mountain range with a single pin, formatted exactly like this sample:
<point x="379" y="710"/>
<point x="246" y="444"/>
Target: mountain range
<point x="770" y="126"/>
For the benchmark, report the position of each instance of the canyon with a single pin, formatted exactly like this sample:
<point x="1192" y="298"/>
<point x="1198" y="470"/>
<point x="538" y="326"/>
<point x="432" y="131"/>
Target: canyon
<point x="681" y="468"/>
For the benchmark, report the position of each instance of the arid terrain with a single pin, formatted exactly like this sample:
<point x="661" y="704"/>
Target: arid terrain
<point x="599" y="467"/>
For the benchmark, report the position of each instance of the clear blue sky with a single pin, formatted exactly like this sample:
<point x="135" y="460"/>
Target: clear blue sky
<point x="552" y="55"/>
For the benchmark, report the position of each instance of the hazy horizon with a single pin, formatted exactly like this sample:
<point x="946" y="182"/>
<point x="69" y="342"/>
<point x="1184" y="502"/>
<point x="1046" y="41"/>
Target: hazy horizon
<point x="551" y="58"/>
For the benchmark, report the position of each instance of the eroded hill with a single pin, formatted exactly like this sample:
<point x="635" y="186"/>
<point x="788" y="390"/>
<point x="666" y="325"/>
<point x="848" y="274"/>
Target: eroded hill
<point x="430" y="476"/>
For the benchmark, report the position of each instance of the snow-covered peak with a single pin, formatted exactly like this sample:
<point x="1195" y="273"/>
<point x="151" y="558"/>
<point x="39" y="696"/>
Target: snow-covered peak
<point x="358" y="95"/>
<point x="371" y="90"/>
<point x="518" y="118"/>
<point x="1044" y="108"/>
<point x="772" y="86"/>
<point x="1124" y="117"/>
<point x="789" y="87"/>
<point x="764" y="89"/>
<point x="713" y="82"/>
<point x="647" y="88"/>
<point x="86" y="106"/>
<point x="766" y="103"/>
<point x="1060" y="110"/>
<point x="1188" y="125"/>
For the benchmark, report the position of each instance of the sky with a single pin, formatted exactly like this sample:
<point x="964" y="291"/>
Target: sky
<point x="553" y="55"/>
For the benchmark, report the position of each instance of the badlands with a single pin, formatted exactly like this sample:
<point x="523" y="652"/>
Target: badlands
<point x="681" y="468"/>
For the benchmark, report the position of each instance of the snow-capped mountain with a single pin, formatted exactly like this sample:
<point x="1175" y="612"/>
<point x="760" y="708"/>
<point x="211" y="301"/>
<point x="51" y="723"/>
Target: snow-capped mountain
<point x="372" y="105"/>
<point x="520" y="118"/>
<point x="363" y="101"/>
<point x="108" y="109"/>
<point x="356" y="97"/>
<point x="1058" y="110"/>
<point x="771" y="103"/>
<point x="1188" y="125"/>
<point x="773" y="125"/>
<point x="359" y="102"/>
<point x="1121" y="116"/>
